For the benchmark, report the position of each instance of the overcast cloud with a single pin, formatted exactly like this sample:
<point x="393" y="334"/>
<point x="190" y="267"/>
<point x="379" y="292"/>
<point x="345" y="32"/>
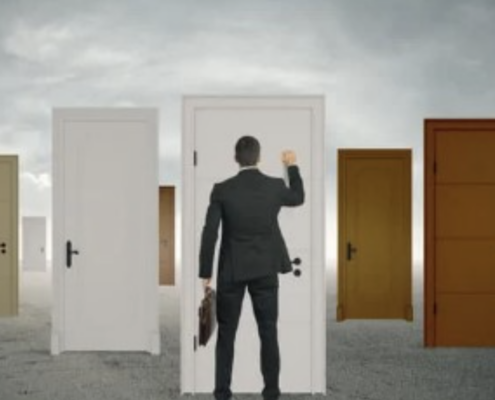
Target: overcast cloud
<point x="383" y="65"/>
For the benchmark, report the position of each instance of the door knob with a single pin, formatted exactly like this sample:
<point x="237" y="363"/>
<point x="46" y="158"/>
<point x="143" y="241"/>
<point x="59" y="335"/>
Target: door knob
<point x="68" y="253"/>
<point x="297" y="272"/>
<point x="350" y="251"/>
<point x="3" y="245"/>
<point x="296" y="261"/>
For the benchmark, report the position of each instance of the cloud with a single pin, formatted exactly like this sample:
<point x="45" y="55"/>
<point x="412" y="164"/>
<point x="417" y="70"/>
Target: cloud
<point x="40" y="181"/>
<point x="383" y="65"/>
<point x="39" y="45"/>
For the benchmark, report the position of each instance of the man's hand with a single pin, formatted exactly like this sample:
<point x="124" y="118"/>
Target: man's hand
<point x="206" y="283"/>
<point x="288" y="158"/>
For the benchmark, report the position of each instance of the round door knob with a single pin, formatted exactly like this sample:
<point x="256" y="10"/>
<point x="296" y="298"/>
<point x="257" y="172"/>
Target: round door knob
<point x="4" y="251"/>
<point x="297" y="272"/>
<point x="3" y="244"/>
<point x="296" y="261"/>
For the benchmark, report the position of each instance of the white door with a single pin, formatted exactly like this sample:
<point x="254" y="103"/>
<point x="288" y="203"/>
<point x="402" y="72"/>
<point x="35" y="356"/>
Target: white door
<point x="34" y="243"/>
<point x="105" y="229"/>
<point x="212" y="127"/>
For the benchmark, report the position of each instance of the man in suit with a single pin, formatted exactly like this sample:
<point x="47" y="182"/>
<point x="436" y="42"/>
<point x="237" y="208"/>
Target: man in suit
<point x="252" y="253"/>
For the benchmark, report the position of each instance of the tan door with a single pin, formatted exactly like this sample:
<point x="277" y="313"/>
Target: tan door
<point x="9" y="221"/>
<point x="374" y="257"/>
<point x="167" y="236"/>
<point x="460" y="233"/>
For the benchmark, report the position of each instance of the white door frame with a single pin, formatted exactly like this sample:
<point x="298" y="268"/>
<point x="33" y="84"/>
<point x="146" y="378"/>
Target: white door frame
<point x="190" y="262"/>
<point x="62" y="116"/>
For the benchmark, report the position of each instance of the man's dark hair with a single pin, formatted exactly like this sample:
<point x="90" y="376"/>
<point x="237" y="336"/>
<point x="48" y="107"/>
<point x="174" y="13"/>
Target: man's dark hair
<point x="247" y="151"/>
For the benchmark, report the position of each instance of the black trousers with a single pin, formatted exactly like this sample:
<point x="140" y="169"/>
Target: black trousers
<point x="264" y="297"/>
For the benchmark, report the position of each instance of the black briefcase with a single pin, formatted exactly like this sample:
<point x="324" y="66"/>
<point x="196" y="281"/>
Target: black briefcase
<point x="207" y="316"/>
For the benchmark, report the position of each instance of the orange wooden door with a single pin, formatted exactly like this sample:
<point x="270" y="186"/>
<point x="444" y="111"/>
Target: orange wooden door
<point x="375" y="264"/>
<point x="460" y="233"/>
<point x="167" y="235"/>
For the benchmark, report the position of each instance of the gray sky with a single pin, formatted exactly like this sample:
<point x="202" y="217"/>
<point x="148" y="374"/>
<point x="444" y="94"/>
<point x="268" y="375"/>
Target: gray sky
<point x="383" y="65"/>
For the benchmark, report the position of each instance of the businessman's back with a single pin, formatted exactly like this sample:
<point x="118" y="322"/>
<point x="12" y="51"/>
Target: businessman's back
<point x="252" y="252"/>
<point x="248" y="205"/>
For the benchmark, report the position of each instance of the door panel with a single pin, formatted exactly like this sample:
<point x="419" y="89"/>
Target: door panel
<point x="465" y="211"/>
<point x="459" y="232"/>
<point x="375" y="221"/>
<point x="167" y="235"/>
<point x="465" y="156"/>
<point x="215" y="128"/>
<point x="9" y="281"/>
<point x="465" y="266"/>
<point x="110" y="214"/>
<point x="274" y="130"/>
<point x="465" y="319"/>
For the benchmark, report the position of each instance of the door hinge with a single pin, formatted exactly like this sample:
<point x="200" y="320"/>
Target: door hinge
<point x="195" y="158"/>
<point x="195" y="342"/>
<point x="434" y="167"/>
<point x="435" y="308"/>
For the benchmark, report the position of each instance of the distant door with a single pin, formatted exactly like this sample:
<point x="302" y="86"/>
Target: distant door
<point x="460" y="233"/>
<point x="106" y="225"/>
<point x="374" y="255"/>
<point x="212" y="125"/>
<point x="34" y="243"/>
<point x="167" y="235"/>
<point x="9" y="220"/>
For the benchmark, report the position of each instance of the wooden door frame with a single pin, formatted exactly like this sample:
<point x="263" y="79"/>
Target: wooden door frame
<point x="342" y="156"/>
<point x="431" y="126"/>
<point x="60" y="117"/>
<point x="13" y="159"/>
<point x="174" y="191"/>
<point x="189" y="280"/>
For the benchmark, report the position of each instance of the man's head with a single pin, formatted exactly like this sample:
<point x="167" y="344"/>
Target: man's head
<point x="247" y="151"/>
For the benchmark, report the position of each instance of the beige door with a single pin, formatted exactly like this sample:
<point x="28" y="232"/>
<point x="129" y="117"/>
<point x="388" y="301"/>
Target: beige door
<point x="460" y="233"/>
<point x="9" y="221"/>
<point x="167" y="236"/>
<point x="374" y="256"/>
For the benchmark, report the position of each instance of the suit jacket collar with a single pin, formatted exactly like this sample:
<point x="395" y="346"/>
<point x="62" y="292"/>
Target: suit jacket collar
<point x="249" y="170"/>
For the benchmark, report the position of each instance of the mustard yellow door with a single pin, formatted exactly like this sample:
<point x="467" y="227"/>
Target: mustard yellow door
<point x="9" y="220"/>
<point x="374" y="222"/>
<point x="167" y="235"/>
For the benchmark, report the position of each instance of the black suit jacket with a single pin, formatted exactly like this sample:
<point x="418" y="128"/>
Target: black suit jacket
<point x="252" y="244"/>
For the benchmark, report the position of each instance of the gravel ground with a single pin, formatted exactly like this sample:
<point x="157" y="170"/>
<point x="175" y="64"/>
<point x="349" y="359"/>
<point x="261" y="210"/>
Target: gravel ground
<point x="373" y="360"/>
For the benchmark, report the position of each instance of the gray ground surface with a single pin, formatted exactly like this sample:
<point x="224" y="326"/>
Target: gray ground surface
<point x="375" y="360"/>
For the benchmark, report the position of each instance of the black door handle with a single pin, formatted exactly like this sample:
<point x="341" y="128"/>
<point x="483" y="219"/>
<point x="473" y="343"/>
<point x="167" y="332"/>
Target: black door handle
<point x="350" y="251"/>
<point x="68" y="253"/>
<point x="296" y="261"/>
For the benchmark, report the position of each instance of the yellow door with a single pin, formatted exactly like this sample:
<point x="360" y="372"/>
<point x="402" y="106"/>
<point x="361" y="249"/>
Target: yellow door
<point x="9" y="219"/>
<point x="374" y="258"/>
<point x="167" y="236"/>
<point x="464" y="236"/>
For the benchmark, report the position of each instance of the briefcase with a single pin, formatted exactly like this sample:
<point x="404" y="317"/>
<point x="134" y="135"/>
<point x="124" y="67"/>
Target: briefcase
<point x="207" y="316"/>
